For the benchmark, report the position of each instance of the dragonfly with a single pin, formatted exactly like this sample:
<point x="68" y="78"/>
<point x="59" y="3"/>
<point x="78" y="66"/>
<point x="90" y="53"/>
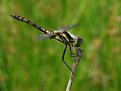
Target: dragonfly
<point x="61" y="34"/>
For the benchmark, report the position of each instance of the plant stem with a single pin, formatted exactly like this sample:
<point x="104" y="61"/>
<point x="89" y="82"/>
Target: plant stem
<point x="76" y="60"/>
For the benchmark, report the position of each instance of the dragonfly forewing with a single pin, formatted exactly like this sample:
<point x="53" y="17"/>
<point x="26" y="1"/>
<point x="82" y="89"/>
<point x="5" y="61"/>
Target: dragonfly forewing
<point x="67" y="27"/>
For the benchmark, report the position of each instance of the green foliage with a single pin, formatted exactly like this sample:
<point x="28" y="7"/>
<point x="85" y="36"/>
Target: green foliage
<point x="27" y="64"/>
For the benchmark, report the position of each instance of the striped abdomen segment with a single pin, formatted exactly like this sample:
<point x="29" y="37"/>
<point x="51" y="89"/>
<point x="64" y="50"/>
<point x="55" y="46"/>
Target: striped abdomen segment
<point x="28" y="22"/>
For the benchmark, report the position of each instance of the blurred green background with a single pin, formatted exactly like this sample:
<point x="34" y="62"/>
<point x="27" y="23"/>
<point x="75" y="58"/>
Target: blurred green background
<point x="27" y="64"/>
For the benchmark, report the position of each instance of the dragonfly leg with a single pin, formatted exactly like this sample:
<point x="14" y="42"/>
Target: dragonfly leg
<point x="63" y="57"/>
<point x="71" y="53"/>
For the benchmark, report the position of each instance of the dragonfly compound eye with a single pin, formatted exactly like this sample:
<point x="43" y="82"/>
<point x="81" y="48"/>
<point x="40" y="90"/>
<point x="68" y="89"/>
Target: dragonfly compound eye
<point x="79" y="41"/>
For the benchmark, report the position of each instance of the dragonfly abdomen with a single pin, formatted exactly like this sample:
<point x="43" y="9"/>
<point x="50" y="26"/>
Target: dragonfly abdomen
<point x="20" y="18"/>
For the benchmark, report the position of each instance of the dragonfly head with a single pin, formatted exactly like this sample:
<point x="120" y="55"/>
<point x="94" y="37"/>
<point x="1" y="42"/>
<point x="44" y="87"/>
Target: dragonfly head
<point x="78" y="41"/>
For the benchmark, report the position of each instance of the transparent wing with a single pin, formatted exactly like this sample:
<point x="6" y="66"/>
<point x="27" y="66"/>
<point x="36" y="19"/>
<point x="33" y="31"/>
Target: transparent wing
<point x="43" y="36"/>
<point x="67" y="27"/>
